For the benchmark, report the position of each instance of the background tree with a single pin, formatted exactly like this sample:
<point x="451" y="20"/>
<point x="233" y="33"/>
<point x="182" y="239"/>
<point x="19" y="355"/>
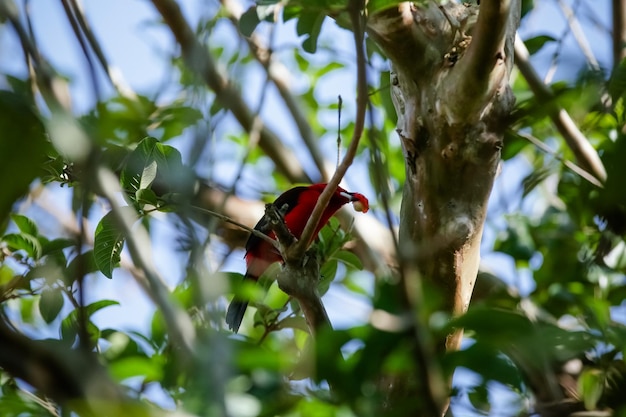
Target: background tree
<point x="104" y="191"/>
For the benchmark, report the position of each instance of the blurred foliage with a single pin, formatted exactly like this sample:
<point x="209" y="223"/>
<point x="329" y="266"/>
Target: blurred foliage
<point x="564" y="236"/>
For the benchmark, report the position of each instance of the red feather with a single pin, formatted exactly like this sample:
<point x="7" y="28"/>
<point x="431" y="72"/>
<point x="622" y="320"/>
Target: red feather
<point x="299" y="203"/>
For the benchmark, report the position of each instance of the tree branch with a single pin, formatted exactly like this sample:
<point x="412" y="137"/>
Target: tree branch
<point x="115" y="76"/>
<point x="70" y="377"/>
<point x="579" y="35"/>
<point x="278" y="74"/>
<point x="575" y="168"/>
<point x="585" y="154"/>
<point x="179" y="325"/>
<point x="475" y="78"/>
<point x="297" y="250"/>
<point x="299" y="277"/>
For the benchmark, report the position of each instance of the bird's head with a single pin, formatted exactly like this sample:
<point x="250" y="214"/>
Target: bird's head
<point x="358" y="200"/>
<point x="341" y="197"/>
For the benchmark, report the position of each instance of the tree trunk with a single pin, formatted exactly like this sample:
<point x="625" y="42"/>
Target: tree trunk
<point x="450" y="72"/>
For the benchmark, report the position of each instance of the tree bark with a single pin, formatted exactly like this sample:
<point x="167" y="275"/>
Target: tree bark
<point x="449" y="78"/>
<point x="450" y="70"/>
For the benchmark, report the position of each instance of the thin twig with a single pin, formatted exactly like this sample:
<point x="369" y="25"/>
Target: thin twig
<point x="83" y="333"/>
<point x="579" y="35"/>
<point x="339" y="104"/>
<point x="254" y="135"/>
<point x="382" y="175"/>
<point x="242" y="226"/>
<point x="78" y="34"/>
<point x="277" y="73"/>
<point x="575" y="168"/>
<point x="179" y="325"/>
<point x="297" y="250"/>
<point x="200" y="62"/>
<point x="47" y="81"/>
<point x="115" y="77"/>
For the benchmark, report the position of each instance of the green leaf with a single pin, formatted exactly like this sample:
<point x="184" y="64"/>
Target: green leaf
<point x="51" y="246"/>
<point x="516" y="240"/>
<point x="22" y="241"/>
<point x="174" y="119"/>
<point x="69" y="325"/>
<point x="513" y="144"/>
<point x="50" y="304"/>
<point x="153" y="165"/>
<point x="527" y="6"/>
<point x="96" y="306"/>
<point x="310" y="24"/>
<point x="535" y="44"/>
<point x="385" y="96"/>
<point x="327" y="273"/>
<point x="617" y="82"/>
<point x="158" y="329"/>
<point x="297" y="322"/>
<point x="147" y="196"/>
<point x="141" y="167"/>
<point x="25" y="224"/>
<point x="82" y="264"/>
<point x="249" y="21"/>
<point x="141" y="366"/>
<point x="349" y="259"/>
<point x="109" y="241"/>
<point x="6" y="274"/>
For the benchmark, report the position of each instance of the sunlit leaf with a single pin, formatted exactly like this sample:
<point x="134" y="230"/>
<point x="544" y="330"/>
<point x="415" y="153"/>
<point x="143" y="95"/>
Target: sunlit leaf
<point x="25" y="224"/>
<point x="22" y="241"/>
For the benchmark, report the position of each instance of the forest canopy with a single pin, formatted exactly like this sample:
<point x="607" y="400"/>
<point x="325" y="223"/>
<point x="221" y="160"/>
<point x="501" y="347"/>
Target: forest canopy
<point x="477" y="266"/>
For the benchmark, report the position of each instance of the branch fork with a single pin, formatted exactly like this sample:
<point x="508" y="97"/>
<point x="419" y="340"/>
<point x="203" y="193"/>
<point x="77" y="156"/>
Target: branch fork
<point x="299" y="277"/>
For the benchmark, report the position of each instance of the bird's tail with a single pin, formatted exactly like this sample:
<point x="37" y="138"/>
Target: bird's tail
<point x="234" y="314"/>
<point x="237" y="308"/>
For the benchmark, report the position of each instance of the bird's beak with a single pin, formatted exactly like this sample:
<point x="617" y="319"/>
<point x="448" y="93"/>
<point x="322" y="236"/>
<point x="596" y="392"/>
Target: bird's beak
<point x="359" y="201"/>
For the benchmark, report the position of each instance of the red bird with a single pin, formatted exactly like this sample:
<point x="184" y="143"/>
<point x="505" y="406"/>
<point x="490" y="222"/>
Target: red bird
<point x="297" y="205"/>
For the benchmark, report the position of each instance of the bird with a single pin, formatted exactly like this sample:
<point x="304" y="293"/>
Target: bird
<point x="296" y="206"/>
